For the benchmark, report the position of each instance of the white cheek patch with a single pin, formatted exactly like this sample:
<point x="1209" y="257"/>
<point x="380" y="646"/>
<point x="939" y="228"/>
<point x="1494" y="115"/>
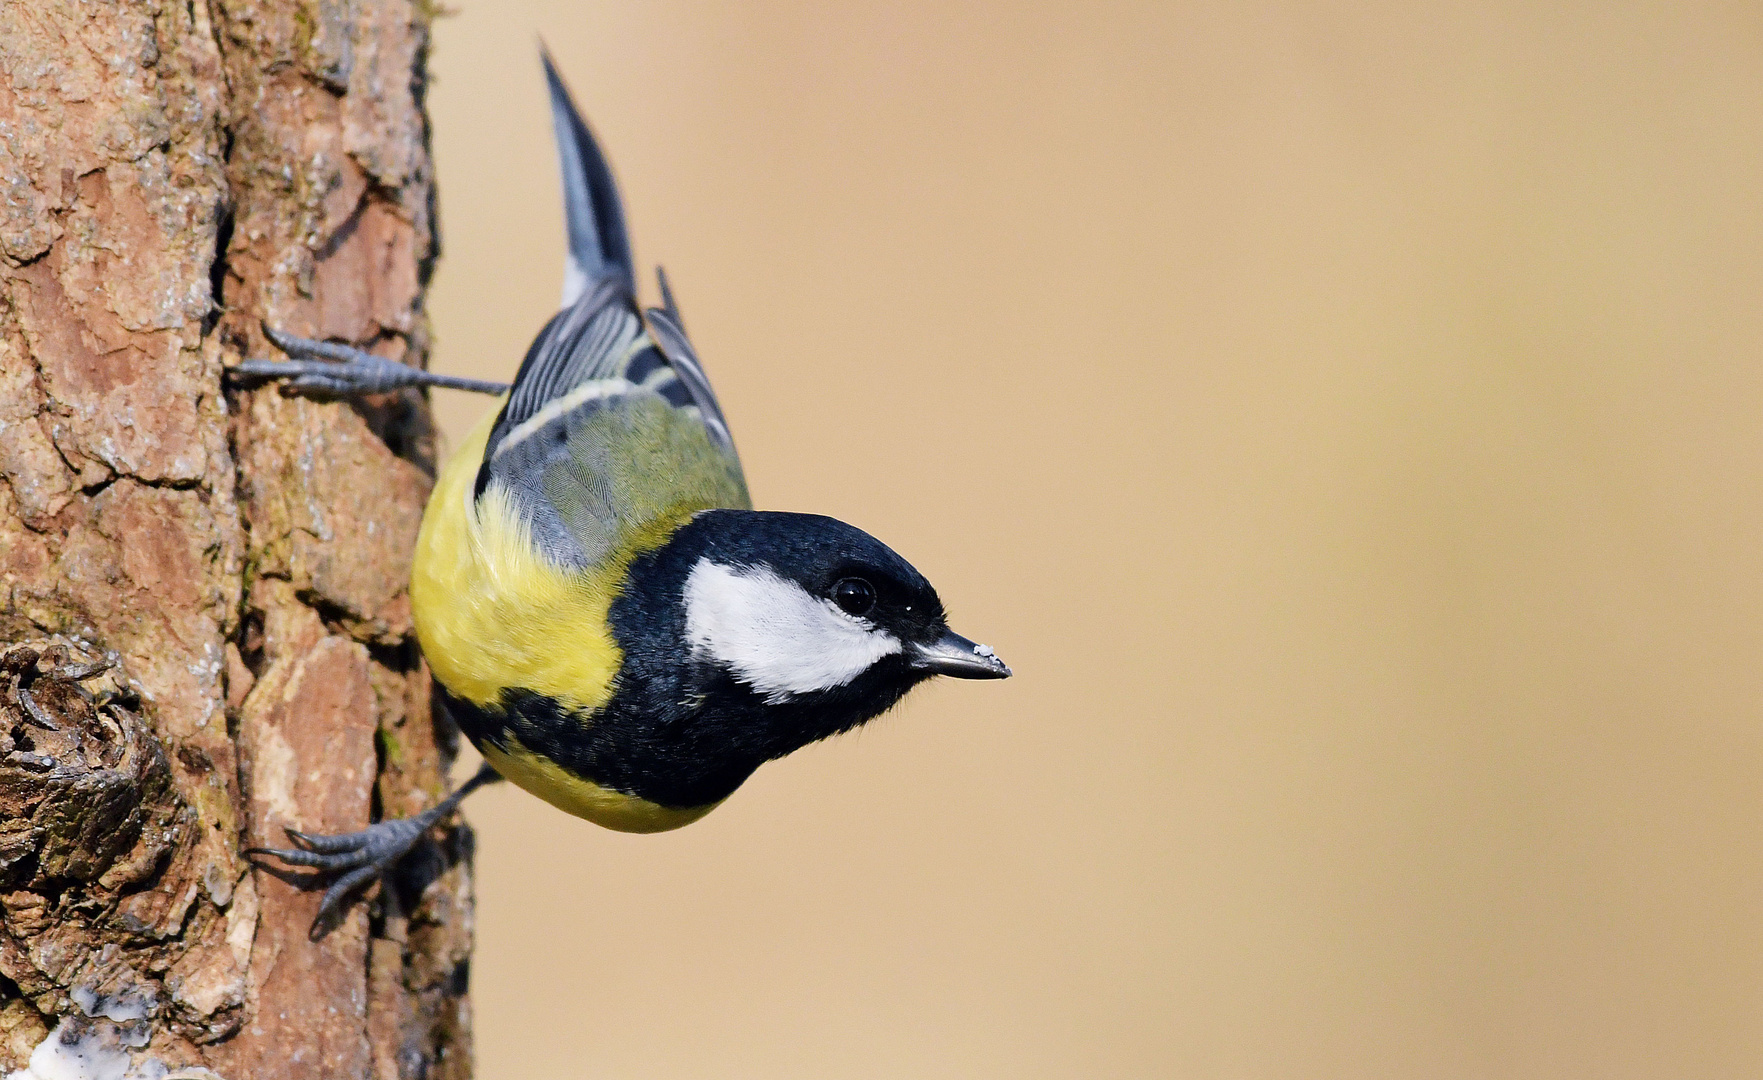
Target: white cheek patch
<point x="774" y="635"/>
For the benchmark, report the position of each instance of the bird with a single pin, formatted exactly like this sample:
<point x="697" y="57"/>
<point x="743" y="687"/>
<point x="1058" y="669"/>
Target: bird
<point x="606" y="617"/>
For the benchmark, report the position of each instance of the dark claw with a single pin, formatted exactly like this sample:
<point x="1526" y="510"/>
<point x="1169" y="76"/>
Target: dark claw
<point x="365" y="855"/>
<point x="277" y="369"/>
<point x="314" y="859"/>
<point x="331" y="369"/>
<point x="340" y="890"/>
<point x="362" y="374"/>
<point x="378" y="846"/>
<point x="360" y="856"/>
<point x="299" y="346"/>
<point x="337" y="844"/>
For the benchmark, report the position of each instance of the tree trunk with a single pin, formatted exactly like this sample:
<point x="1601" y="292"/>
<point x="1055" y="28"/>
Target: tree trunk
<point x="176" y="172"/>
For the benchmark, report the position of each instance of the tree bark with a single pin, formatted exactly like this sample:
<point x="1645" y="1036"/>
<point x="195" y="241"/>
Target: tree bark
<point x="174" y="173"/>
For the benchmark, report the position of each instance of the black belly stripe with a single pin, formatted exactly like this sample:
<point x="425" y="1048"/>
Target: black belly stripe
<point x="617" y="748"/>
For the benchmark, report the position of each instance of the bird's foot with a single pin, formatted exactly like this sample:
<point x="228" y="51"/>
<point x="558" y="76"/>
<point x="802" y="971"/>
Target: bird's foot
<point x="326" y="367"/>
<point x="360" y="857"/>
<point x="334" y="370"/>
<point x="368" y="855"/>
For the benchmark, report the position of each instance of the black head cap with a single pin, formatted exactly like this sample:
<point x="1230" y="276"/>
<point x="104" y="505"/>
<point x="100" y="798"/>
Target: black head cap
<point x="791" y="609"/>
<point x="850" y="570"/>
<point x="750" y="634"/>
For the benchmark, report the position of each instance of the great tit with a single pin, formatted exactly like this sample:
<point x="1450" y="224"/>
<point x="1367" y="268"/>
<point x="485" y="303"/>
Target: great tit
<point x="606" y="617"/>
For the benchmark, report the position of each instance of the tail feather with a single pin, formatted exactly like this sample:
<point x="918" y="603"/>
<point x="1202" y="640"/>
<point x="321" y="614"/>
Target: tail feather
<point x="599" y="247"/>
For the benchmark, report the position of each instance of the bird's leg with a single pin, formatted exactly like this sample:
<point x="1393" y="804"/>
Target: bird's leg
<point x="364" y="856"/>
<point x="341" y="370"/>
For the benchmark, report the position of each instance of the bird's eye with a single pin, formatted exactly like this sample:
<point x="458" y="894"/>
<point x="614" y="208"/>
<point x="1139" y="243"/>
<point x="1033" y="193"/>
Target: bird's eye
<point x="854" y="595"/>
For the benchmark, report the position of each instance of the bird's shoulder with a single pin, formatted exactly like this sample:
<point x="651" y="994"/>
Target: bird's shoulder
<point x="610" y="430"/>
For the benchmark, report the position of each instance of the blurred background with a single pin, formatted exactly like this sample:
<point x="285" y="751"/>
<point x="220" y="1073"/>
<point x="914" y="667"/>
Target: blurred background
<point x="1346" y="418"/>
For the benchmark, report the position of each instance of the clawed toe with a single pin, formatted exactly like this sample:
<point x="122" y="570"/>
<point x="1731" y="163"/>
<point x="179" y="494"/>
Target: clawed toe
<point x="363" y="374"/>
<point x="331" y="369"/>
<point x="360" y="857"/>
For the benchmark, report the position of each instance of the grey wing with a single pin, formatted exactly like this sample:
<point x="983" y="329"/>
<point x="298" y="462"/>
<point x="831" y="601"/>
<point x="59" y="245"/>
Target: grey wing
<point x="611" y="425"/>
<point x="602" y="436"/>
<point x="669" y="332"/>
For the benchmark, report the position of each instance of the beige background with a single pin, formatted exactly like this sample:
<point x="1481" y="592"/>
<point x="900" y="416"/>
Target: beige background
<point x="1345" y="418"/>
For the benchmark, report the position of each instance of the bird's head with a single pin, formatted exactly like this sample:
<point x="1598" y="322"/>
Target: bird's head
<point x="802" y="623"/>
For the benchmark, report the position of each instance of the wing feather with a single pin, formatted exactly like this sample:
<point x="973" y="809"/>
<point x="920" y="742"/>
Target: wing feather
<point x="611" y="425"/>
<point x="670" y="335"/>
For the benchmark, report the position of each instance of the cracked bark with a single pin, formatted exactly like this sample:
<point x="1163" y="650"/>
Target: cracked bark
<point x="174" y="172"/>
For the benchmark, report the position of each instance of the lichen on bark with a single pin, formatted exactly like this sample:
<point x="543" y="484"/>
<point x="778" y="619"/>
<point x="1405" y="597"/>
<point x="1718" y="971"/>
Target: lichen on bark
<point x="174" y="173"/>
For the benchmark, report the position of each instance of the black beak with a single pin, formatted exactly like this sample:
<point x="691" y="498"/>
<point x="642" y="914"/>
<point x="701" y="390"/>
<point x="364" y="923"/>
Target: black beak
<point x="954" y="655"/>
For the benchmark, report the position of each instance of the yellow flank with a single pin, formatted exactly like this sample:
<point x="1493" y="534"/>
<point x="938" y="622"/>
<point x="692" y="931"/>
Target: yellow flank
<point x="490" y="612"/>
<point x="493" y="614"/>
<point x="584" y="798"/>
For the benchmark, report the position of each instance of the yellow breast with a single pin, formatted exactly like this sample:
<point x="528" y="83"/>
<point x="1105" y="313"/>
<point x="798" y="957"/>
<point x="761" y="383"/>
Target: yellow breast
<point x="493" y="614"/>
